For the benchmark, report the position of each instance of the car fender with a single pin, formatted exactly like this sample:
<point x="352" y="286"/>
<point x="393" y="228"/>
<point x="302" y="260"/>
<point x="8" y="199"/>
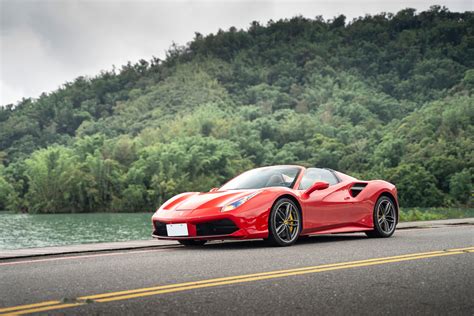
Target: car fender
<point x="369" y="195"/>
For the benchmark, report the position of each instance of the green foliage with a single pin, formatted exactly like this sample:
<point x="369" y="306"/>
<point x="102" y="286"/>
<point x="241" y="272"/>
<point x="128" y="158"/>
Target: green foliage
<point x="386" y="96"/>
<point x="460" y="186"/>
<point x="434" y="213"/>
<point x="50" y="179"/>
<point x="414" y="215"/>
<point x="8" y="195"/>
<point x="415" y="185"/>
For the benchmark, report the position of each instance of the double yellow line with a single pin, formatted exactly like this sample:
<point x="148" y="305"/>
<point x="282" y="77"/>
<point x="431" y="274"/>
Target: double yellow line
<point x="130" y="294"/>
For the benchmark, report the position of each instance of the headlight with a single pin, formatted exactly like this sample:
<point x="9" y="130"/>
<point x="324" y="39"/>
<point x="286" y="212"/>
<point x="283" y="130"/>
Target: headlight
<point x="239" y="202"/>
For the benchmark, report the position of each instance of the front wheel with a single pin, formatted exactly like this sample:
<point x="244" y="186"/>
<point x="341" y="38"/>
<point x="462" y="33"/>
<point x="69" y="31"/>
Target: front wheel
<point x="284" y="224"/>
<point x="192" y="242"/>
<point x="385" y="218"/>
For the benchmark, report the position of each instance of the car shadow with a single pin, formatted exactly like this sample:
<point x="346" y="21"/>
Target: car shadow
<point x="259" y="243"/>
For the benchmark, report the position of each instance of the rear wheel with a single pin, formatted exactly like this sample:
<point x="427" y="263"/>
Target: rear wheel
<point x="385" y="218"/>
<point x="192" y="242"/>
<point x="284" y="225"/>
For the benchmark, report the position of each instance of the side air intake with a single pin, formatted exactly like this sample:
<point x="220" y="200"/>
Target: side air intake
<point x="357" y="188"/>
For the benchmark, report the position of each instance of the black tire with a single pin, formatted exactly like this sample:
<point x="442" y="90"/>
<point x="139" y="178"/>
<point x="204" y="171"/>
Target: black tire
<point x="192" y="242"/>
<point x="281" y="231"/>
<point x="385" y="218"/>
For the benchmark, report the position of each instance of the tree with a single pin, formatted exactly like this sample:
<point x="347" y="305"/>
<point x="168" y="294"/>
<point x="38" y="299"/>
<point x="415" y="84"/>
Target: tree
<point x="48" y="172"/>
<point x="8" y="196"/>
<point x="460" y="186"/>
<point x="416" y="187"/>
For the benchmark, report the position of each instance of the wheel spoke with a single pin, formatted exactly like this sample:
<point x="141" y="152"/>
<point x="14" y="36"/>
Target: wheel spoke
<point x="280" y="215"/>
<point x="288" y="211"/>
<point x="280" y="229"/>
<point x="380" y="211"/>
<point x="288" y="234"/>
<point x="387" y="208"/>
<point x="392" y="212"/>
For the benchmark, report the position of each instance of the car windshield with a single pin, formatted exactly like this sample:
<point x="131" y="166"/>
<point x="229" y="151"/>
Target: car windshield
<point x="280" y="176"/>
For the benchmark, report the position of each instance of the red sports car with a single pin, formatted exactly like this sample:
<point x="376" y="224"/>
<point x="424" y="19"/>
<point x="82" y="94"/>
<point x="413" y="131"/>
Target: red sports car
<point x="278" y="204"/>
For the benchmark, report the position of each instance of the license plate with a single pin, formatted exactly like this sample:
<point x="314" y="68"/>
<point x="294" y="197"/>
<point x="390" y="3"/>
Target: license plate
<point x="177" y="229"/>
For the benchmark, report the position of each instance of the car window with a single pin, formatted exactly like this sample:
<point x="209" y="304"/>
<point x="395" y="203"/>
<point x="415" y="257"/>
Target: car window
<point x="312" y="175"/>
<point x="277" y="176"/>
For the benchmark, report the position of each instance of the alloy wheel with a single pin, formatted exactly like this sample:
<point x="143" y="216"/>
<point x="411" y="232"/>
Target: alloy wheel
<point x="386" y="216"/>
<point x="287" y="222"/>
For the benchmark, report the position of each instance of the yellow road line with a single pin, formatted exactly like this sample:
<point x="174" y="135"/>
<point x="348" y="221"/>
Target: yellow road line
<point x="14" y="308"/>
<point x="129" y="294"/>
<point x="94" y="297"/>
<point x="44" y="309"/>
<point x="461" y="249"/>
<point x="266" y="277"/>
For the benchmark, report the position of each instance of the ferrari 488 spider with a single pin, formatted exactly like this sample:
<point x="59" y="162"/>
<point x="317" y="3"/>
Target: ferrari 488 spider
<point x="279" y="204"/>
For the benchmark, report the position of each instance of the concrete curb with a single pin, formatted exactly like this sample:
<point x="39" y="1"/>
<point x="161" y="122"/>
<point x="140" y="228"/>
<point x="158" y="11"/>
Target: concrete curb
<point x="84" y="248"/>
<point x="153" y="243"/>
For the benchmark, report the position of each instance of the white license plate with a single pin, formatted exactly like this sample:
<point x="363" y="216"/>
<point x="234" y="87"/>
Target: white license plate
<point x="177" y="230"/>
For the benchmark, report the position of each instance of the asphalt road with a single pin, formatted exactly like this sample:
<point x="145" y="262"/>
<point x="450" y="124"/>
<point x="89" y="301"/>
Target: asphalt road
<point x="421" y="273"/>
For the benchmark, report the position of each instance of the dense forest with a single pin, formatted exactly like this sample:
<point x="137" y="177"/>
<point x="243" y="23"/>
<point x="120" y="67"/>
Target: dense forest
<point x="386" y="96"/>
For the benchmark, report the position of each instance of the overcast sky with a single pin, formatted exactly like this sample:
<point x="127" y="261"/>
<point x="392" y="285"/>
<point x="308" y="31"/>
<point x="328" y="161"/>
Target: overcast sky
<point x="43" y="44"/>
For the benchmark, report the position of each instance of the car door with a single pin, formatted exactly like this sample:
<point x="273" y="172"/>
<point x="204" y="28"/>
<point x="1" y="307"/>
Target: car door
<point x="325" y="208"/>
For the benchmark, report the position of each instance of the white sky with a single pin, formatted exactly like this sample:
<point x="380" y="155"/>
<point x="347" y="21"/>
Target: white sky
<point x="45" y="43"/>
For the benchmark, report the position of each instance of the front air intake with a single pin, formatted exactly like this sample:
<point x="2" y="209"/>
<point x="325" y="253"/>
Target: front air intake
<point x="160" y="229"/>
<point x="220" y="227"/>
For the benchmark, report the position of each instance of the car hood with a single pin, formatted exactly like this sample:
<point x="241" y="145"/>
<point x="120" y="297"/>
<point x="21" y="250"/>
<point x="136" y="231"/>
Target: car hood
<point x="209" y="199"/>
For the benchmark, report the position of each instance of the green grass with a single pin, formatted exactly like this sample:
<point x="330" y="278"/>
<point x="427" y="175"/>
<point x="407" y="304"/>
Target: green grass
<point x="434" y="213"/>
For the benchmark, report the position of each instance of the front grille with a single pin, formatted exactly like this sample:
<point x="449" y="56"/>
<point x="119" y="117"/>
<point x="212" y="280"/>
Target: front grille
<point x="220" y="227"/>
<point x="160" y="229"/>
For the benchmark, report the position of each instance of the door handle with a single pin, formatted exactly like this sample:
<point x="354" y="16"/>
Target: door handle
<point x="347" y="198"/>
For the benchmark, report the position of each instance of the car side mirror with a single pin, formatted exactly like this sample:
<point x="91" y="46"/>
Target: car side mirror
<point x="213" y="189"/>
<point x="318" y="185"/>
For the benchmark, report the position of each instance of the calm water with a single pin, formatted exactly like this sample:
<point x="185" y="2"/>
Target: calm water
<point x="29" y="231"/>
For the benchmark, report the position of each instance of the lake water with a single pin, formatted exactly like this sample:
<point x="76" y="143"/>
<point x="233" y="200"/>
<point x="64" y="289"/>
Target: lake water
<point x="29" y="231"/>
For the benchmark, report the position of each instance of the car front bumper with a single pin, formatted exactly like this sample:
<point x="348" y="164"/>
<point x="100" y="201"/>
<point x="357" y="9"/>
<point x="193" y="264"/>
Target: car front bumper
<point x="212" y="224"/>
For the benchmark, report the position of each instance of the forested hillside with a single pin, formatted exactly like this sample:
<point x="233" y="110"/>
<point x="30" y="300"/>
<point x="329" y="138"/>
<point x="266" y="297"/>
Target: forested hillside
<point x="386" y="96"/>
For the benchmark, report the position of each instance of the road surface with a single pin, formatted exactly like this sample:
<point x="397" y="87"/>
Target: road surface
<point x="417" y="271"/>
